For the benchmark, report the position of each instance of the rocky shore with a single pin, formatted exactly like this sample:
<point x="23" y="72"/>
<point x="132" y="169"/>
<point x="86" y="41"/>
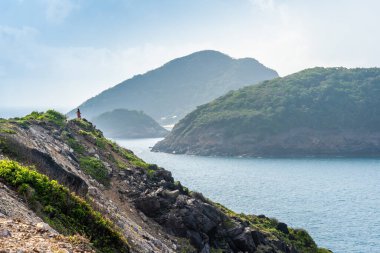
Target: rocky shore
<point x="153" y="212"/>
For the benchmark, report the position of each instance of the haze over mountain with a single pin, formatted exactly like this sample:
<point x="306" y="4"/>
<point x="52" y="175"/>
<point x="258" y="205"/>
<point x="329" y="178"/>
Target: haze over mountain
<point x="122" y="123"/>
<point x="315" y="112"/>
<point x="170" y="92"/>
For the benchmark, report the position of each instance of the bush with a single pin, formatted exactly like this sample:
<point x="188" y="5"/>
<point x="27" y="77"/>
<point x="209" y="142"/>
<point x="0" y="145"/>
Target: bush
<point x="95" y="168"/>
<point x="50" y="115"/>
<point x="7" y="131"/>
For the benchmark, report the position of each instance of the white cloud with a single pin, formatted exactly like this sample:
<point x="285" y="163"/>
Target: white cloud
<point x="66" y="76"/>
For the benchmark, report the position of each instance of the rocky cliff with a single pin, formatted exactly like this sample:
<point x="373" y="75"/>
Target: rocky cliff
<point x="66" y="170"/>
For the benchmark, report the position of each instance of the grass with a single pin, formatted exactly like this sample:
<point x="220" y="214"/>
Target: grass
<point x="64" y="211"/>
<point x="95" y="168"/>
<point x="50" y="116"/>
<point x="132" y="158"/>
<point x="75" y="145"/>
<point x="7" y="131"/>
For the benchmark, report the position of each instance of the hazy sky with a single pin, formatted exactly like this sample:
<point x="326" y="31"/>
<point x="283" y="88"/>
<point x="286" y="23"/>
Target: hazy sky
<point x="58" y="53"/>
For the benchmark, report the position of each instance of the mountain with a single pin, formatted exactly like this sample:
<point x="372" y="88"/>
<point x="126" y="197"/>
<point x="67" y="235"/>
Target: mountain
<point x="122" y="123"/>
<point x="66" y="186"/>
<point x="316" y="112"/>
<point x="170" y="92"/>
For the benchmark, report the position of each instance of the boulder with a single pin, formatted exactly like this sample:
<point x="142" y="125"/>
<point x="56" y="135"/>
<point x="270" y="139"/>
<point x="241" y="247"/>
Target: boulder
<point x="258" y="237"/>
<point x="283" y="227"/>
<point x="149" y="205"/>
<point x="42" y="227"/>
<point x="170" y="194"/>
<point x="5" y="233"/>
<point x="244" y="241"/>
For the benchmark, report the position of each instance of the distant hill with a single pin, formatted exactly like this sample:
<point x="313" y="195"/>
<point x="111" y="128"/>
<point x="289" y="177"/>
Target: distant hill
<point x="316" y="112"/>
<point x="170" y="92"/>
<point x="122" y="123"/>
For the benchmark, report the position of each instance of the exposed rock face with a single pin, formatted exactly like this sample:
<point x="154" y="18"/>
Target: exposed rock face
<point x="299" y="142"/>
<point x="154" y="213"/>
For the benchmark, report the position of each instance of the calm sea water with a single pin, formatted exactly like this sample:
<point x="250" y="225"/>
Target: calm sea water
<point x="336" y="200"/>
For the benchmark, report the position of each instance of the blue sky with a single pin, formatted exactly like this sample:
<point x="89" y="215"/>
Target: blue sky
<point x="57" y="53"/>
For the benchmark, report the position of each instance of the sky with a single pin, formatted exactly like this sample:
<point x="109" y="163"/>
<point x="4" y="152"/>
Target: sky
<point x="58" y="53"/>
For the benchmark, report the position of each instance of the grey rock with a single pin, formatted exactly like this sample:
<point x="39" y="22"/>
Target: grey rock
<point x="245" y="242"/>
<point x="283" y="227"/>
<point x="5" y="233"/>
<point x="171" y="194"/>
<point x="42" y="227"/>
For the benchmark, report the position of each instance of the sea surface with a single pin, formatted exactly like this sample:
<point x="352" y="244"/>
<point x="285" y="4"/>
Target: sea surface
<point x="336" y="200"/>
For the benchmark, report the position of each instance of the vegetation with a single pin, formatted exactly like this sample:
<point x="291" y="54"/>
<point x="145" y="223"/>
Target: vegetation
<point x="50" y="115"/>
<point x="7" y="131"/>
<point x="63" y="210"/>
<point x="132" y="158"/>
<point x="320" y="99"/>
<point x="299" y="238"/>
<point x="6" y="127"/>
<point x="122" y="123"/>
<point x="95" y="168"/>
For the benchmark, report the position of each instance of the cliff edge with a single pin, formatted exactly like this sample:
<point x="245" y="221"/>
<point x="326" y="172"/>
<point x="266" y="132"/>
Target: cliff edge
<point x="127" y="205"/>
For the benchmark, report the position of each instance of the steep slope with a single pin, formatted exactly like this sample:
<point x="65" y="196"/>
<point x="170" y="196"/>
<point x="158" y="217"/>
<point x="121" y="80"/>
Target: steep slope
<point x="63" y="210"/>
<point x="143" y="203"/>
<point x="316" y="112"/>
<point x="122" y="123"/>
<point x="21" y="230"/>
<point x="170" y="92"/>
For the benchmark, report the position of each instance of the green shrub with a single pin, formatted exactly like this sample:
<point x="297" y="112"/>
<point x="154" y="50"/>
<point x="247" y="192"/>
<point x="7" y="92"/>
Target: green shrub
<point x="7" y="131"/>
<point x="101" y="143"/>
<point x="87" y="128"/>
<point x="132" y="158"/>
<point x="63" y="210"/>
<point x="75" y="145"/>
<point x="95" y="168"/>
<point x="50" y="115"/>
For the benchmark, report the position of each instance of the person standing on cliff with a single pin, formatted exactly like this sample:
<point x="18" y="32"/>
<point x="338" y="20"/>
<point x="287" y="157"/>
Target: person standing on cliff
<point x="79" y="115"/>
